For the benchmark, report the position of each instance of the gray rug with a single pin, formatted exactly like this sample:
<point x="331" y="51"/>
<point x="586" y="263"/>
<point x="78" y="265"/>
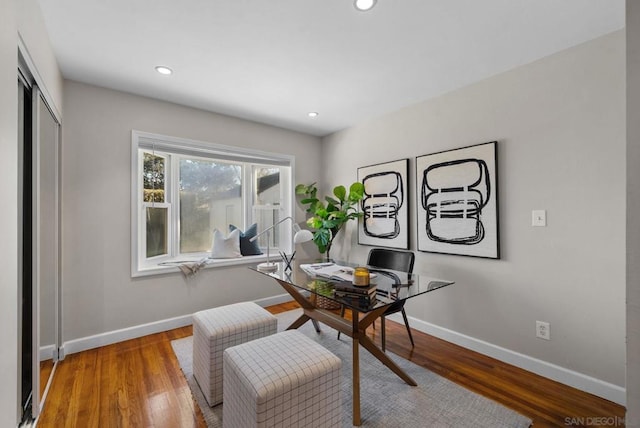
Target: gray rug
<point x="386" y="401"/>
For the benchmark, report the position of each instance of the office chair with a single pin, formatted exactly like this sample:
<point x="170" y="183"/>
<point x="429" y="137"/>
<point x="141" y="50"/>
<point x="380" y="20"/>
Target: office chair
<point x="394" y="260"/>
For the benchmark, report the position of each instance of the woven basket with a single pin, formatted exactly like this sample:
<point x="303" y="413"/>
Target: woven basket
<point x="322" y="302"/>
<point x="326" y="303"/>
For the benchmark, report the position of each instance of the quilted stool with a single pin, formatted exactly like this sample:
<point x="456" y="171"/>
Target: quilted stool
<point x="214" y="330"/>
<point x="284" y="380"/>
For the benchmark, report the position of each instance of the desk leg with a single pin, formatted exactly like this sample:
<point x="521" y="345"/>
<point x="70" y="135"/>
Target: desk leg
<point x="356" y="367"/>
<point x="384" y="359"/>
<point x="364" y="340"/>
<point x="302" y="301"/>
<point x="299" y="322"/>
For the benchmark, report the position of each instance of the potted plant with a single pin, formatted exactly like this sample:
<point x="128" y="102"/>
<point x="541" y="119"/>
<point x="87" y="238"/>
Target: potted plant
<point x="328" y="216"/>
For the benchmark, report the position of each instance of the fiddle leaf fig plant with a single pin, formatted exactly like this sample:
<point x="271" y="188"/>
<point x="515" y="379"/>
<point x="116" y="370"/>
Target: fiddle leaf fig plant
<point x="330" y="215"/>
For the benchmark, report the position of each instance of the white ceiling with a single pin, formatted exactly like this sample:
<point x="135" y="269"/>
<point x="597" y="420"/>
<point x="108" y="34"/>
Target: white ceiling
<point x="273" y="61"/>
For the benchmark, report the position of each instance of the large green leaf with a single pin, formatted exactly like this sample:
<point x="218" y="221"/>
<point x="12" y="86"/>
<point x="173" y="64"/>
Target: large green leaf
<point x="340" y="192"/>
<point x="322" y="212"/>
<point x="332" y="208"/>
<point x="332" y="201"/>
<point x="314" y="222"/>
<point x="309" y="190"/>
<point x="322" y="238"/>
<point x="356" y="191"/>
<point x="330" y="224"/>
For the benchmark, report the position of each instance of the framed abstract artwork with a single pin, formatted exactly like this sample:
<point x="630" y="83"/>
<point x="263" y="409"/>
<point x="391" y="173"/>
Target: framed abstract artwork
<point x="385" y="206"/>
<point x="457" y="194"/>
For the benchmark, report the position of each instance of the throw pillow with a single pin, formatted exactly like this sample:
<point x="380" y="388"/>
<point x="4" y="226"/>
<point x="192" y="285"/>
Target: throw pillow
<point x="248" y="248"/>
<point x="225" y="247"/>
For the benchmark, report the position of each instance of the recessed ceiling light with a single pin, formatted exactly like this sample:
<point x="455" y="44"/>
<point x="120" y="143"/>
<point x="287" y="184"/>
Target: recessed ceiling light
<point x="313" y="114"/>
<point x="163" y="70"/>
<point x="364" y="5"/>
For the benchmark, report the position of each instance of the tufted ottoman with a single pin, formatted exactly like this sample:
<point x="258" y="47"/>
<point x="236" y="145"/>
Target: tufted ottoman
<point x="283" y="380"/>
<point x="214" y="330"/>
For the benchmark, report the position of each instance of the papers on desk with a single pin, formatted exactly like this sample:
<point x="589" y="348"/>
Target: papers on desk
<point x="329" y="271"/>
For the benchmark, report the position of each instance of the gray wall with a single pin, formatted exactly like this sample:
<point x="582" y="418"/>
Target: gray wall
<point x="99" y="294"/>
<point x="560" y="123"/>
<point x="9" y="214"/>
<point x="633" y="214"/>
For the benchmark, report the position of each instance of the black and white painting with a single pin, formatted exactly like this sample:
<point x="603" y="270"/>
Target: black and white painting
<point x="458" y="201"/>
<point x="385" y="219"/>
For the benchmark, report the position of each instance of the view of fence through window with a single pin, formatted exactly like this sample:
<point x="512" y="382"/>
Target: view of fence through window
<point x="157" y="220"/>
<point x="266" y="202"/>
<point x="210" y="198"/>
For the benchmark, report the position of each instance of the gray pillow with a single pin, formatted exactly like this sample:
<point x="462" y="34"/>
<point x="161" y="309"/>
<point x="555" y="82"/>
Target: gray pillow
<point x="248" y="248"/>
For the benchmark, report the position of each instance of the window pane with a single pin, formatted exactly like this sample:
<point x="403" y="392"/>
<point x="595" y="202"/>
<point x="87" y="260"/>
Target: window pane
<point x="266" y="202"/>
<point x="210" y="197"/>
<point x="266" y="217"/>
<point x="153" y="178"/>
<point x="267" y="188"/>
<point x="156" y="219"/>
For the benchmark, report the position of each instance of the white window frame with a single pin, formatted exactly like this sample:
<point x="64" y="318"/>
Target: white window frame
<point x="172" y="148"/>
<point x="142" y="230"/>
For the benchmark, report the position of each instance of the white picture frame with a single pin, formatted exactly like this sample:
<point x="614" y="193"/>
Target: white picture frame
<point x="385" y="206"/>
<point x="457" y="201"/>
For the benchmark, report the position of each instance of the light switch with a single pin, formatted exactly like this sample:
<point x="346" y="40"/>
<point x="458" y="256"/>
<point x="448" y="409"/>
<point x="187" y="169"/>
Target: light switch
<point x="538" y="218"/>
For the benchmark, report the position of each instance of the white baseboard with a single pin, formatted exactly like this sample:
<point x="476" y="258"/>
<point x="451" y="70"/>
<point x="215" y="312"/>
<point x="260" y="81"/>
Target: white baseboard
<point x="274" y="300"/>
<point x="111" y="337"/>
<point x="47" y="352"/>
<point x="580" y="381"/>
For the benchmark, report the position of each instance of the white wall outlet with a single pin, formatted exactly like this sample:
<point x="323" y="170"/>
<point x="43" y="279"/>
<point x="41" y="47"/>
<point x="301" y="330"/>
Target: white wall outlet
<point x="538" y="218"/>
<point x="543" y="330"/>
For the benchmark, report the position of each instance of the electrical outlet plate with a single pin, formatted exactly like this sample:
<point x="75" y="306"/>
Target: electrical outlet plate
<point x="543" y="330"/>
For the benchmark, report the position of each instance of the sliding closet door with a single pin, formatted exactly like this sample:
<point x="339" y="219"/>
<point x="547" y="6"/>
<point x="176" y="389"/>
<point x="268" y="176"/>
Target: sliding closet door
<point x="46" y="151"/>
<point x="25" y="251"/>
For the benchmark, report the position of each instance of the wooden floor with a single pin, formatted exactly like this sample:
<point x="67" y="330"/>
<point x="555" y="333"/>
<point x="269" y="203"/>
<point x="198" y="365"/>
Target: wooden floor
<point x="138" y="383"/>
<point x="46" y="368"/>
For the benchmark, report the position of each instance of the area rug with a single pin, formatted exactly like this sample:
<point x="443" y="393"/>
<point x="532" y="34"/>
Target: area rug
<point x="386" y="401"/>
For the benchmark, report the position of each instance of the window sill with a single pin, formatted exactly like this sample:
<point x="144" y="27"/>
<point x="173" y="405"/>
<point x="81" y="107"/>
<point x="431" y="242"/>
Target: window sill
<point x="211" y="263"/>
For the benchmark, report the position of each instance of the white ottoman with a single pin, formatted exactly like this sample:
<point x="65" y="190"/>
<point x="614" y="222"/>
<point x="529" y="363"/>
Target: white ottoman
<point x="284" y="380"/>
<point x="216" y="329"/>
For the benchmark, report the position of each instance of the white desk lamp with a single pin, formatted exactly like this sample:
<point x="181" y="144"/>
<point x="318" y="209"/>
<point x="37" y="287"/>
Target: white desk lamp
<point x="301" y="235"/>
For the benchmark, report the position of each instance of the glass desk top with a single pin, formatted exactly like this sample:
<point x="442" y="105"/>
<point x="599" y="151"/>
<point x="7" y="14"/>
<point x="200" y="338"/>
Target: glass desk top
<point x="390" y="286"/>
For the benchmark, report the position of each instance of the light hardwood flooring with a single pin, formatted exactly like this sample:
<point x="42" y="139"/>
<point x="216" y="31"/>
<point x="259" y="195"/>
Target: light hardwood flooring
<point x="138" y="383"/>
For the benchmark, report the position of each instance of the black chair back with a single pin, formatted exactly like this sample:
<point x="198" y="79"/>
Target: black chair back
<point x="384" y="258"/>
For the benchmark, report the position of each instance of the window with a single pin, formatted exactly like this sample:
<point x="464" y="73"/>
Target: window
<point x="182" y="190"/>
<point x="266" y="202"/>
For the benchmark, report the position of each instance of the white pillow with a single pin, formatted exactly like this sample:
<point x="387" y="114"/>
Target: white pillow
<point x="225" y="248"/>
